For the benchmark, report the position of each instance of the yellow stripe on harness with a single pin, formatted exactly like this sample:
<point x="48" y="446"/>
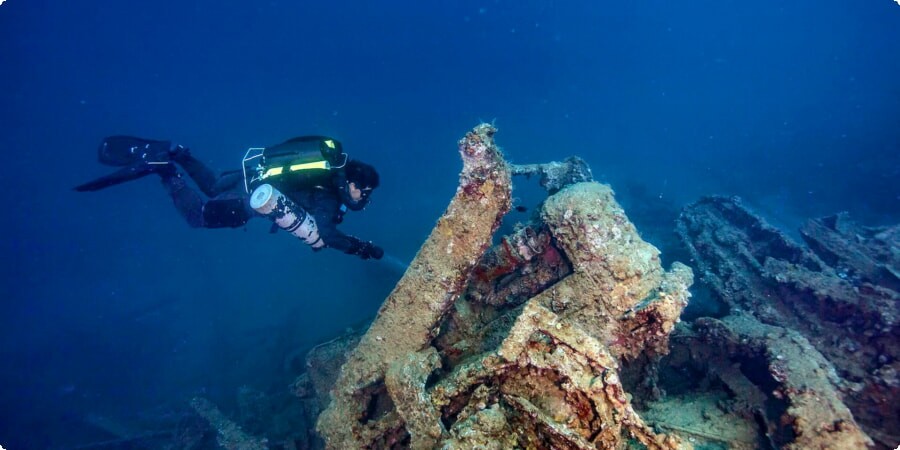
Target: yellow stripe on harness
<point x="312" y="165"/>
<point x="273" y="171"/>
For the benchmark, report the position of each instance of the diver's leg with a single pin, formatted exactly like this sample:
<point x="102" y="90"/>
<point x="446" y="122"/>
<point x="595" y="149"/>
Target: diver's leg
<point x="187" y="201"/>
<point x="226" y="211"/>
<point x="229" y="181"/>
<point x="202" y="175"/>
<point x="231" y="210"/>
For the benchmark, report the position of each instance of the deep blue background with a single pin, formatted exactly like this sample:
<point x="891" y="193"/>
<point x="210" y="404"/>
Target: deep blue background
<point x="112" y="307"/>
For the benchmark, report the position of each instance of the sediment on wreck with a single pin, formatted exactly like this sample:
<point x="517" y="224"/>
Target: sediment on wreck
<point x="408" y="318"/>
<point x="831" y="299"/>
<point x="809" y="412"/>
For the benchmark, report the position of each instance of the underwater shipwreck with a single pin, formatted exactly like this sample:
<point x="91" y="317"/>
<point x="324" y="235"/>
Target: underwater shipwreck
<point x="567" y="333"/>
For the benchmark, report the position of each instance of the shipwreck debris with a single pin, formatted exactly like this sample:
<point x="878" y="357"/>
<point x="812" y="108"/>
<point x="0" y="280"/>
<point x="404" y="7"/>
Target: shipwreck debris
<point x="808" y="409"/>
<point x="518" y="344"/>
<point x="554" y="176"/>
<point x="836" y="300"/>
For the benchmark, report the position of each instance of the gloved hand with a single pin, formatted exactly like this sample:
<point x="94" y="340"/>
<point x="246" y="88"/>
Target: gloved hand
<point x="369" y="250"/>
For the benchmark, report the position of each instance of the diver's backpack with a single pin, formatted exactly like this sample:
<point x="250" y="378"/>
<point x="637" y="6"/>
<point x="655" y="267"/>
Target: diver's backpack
<point x="297" y="163"/>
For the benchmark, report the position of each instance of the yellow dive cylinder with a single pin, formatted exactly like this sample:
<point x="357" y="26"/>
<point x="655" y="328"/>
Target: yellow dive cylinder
<point x="290" y="217"/>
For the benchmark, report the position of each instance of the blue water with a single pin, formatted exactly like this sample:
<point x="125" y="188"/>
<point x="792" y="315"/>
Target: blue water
<point x="112" y="307"/>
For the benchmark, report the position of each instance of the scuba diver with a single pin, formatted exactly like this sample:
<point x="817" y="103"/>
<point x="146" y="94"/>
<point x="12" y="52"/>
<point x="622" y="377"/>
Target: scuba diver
<point x="304" y="185"/>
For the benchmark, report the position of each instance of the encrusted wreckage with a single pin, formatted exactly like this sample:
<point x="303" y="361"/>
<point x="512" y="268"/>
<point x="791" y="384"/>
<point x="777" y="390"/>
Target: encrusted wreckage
<point x="814" y="330"/>
<point x="515" y="345"/>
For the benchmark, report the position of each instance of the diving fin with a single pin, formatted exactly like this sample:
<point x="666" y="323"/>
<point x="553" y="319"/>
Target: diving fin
<point x="127" y="150"/>
<point x="132" y="172"/>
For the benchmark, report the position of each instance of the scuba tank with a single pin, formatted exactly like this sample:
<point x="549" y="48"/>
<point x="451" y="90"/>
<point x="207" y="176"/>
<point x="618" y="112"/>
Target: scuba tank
<point x="294" y="164"/>
<point x="270" y="202"/>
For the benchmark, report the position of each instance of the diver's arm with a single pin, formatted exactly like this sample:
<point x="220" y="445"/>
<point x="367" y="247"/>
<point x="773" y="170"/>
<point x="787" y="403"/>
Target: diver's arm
<point x="334" y="238"/>
<point x="325" y="206"/>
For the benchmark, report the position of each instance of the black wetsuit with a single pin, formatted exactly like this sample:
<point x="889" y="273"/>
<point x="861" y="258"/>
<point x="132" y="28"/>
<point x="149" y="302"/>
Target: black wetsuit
<point x="228" y="205"/>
